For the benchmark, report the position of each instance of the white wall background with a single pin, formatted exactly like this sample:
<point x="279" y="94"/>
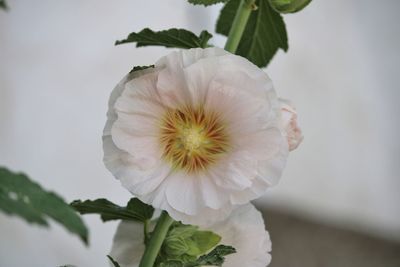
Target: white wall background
<point x="58" y="66"/>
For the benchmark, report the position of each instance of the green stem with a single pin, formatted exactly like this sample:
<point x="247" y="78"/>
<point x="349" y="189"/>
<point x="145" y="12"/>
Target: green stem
<point x="156" y="240"/>
<point x="239" y="24"/>
<point x="146" y="231"/>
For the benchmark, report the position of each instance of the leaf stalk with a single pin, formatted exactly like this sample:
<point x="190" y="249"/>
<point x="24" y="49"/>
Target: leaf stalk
<point x="239" y="24"/>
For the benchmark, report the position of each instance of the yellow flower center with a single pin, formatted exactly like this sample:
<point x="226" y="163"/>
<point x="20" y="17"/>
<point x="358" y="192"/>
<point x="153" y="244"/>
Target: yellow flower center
<point x="192" y="139"/>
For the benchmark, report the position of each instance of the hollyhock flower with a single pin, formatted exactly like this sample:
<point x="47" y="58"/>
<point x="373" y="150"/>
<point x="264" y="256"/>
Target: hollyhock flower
<point x="195" y="135"/>
<point x="289" y="124"/>
<point x="244" y="230"/>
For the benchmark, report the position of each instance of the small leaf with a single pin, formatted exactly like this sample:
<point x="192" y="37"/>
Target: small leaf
<point x="207" y="2"/>
<point x="179" y="38"/>
<point x="264" y="34"/>
<point x="136" y="210"/>
<point x="137" y="68"/>
<point x="205" y="240"/>
<point x="175" y="246"/>
<point x="288" y="6"/>
<point x="27" y="199"/>
<point x="3" y="5"/>
<point x="182" y="230"/>
<point x="114" y="262"/>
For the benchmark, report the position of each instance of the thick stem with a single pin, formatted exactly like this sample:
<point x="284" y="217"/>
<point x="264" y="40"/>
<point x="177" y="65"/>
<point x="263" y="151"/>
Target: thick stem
<point x="239" y="24"/>
<point x="156" y="240"/>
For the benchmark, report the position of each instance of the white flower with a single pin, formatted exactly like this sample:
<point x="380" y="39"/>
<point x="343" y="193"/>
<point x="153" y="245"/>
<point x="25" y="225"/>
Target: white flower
<point x="195" y="135"/>
<point x="289" y="124"/>
<point x="244" y="230"/>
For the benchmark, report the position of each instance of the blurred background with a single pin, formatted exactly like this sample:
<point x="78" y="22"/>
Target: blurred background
<point x="338" y="202"/>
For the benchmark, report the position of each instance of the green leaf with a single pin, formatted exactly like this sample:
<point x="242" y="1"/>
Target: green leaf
<point x="264" y="34"/>
<point x="114" y="262"/>
<point x="27" y="199"/>
<point x="215" y="258"/>
<point x="207" y="2"/>
<point x="136" y="210"/>
<point x="289" y="6"/>
<point x="175" y="246"/>
<point x="179" y="38"/>
<point x="205" y="240"/>
<point x="182" y="230"/>
<point x="137" y="68"/>
<point x="3" y="4"/>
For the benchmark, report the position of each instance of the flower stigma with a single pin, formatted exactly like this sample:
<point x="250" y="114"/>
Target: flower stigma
<point x="192" y="139"/>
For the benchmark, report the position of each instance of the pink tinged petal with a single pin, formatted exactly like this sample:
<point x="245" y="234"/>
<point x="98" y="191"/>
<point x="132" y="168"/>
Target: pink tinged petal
<point x="258" y="187"/>
<point x="205" y="217"/>
<point x="214" y="197"/>
<point x="235" y="173"/>
<point x="289" y="124"/>
<point x="271" y="170"/>
<point x="157" y="197"/>
<point x="262" y="145"/>
<point x="144" y="149"/>
<point x="183" y="194"/>
<point x="244" y="230"/>
<point x="173" y="85"/>
<point x="120" y="163"/>
<point x="200" y="77"/>
<point x="147" y="181"/>
<point x="172" y="88"/>
<point x="116" y="93"/>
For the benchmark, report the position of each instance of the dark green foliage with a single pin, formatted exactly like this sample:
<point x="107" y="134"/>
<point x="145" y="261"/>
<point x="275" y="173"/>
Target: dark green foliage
<point x="136" y="210"/>
<point x="179" y="38"/>
<point x="3" y="4"/>
<point x="27" y="199"/>
<point x="136" y="68"/>
<point x="264" y="34"/>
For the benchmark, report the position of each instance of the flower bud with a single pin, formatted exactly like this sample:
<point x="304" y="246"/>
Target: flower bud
<point x="289" y="124"/>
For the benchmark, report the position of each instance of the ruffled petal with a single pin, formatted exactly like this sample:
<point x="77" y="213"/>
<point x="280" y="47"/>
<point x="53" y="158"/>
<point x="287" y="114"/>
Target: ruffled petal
<point x="244" y="230"/>
<point x="233" y="89"/>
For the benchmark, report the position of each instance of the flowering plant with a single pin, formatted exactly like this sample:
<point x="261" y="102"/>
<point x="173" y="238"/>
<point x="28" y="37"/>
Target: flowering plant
<point x="194" y="137"/>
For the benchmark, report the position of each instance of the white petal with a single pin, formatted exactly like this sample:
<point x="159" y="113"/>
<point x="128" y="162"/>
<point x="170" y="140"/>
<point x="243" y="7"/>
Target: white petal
<point x="245" y="231"/>
<point x="183" y="194"/>
<point x="128" y="246"/>
<point x="244" y="99"/>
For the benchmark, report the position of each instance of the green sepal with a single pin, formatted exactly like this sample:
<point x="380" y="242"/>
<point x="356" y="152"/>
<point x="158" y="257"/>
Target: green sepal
<point x="215" y="258"/>
<point x="186" y="242"/>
